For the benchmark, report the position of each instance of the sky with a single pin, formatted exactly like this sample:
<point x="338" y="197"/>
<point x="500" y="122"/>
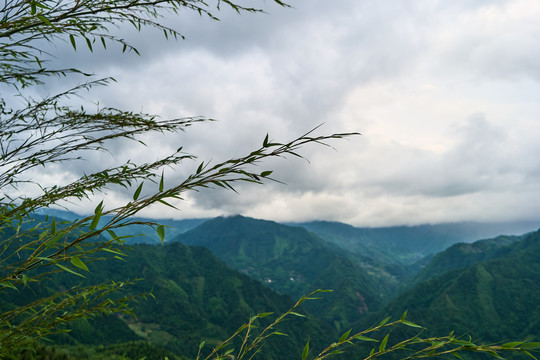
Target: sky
<point x="445" y="94"/>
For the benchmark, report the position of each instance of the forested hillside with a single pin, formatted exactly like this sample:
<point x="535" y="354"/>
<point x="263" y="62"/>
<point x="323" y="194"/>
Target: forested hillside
<point x="195" y="297"/>
<point x="487" y="288"/>
<point x="495" y="299"/>
<point x="292" y="261"/>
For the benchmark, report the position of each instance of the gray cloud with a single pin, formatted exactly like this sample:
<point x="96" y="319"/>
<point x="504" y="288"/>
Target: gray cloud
<point x="445" y="94"/>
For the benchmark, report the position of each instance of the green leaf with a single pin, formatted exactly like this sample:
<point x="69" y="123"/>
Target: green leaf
<point x="95" y="221"/>
<point x="113" y="251"/>
<point x="297" y="314"/>
<point x="53" y="240"/>
<point x="458" y="355"/>
<point x="528" y="353"/>
<point x="263" y="315"/>
<point x="344" y="336"/>
<point x="408" y="323"/>
<point x="53" y="226"/>
<point x="68" y="270"/>
<point x="161" y="183"/>
<point x="306" y="348"/>
<point x="99" y="208"/>
<point x="364" y="338"/>
<point x="161" y="233"/>
<point x="382" y="346"/>
<point x="403" y="316"/>
<point x="266" y="173"/>
<point x="512" y="344"/>
<point x="384" y="321"/>
<point x="199" y="169"/>
<point x="7" y="284"/>
<point x="166" y="203"/>
<point x="89" y="44"/>
<point x="137" y="192"/>
<point x="530" y="345"/>
<point x="76" y="261"/>
<point x="265" y="142"/>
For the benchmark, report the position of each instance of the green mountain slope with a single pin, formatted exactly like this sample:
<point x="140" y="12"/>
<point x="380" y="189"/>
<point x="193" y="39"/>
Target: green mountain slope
<point x="493" y="300"/>
<point x="292" y="261"/>
<point x="462" y="255"/>
<point x="196" y="297"/>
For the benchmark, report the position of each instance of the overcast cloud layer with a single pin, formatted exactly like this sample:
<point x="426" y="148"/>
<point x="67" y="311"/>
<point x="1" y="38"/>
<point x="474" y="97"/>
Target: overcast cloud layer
<point x="446" y="95"/>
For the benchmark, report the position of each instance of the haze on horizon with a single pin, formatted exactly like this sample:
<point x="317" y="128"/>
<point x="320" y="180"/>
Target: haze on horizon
<point x="445" y="94"/>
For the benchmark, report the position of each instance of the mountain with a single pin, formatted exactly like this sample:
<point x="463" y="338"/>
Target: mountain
<point x="462" y="255"/>
<point x="291" y="261"/>
<point x="196" y="297"/>
<point x="408" y="244"/>
<point x="495" y="299"/>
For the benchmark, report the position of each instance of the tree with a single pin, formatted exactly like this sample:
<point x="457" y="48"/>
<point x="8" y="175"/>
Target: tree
<point x="48" y="131"/>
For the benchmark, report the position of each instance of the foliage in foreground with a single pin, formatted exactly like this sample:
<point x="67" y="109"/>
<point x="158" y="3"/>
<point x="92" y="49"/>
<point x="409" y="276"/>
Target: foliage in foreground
<point x="379" y="335"/>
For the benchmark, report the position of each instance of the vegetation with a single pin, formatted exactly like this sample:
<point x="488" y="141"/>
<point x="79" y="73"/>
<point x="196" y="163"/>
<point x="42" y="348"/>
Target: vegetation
<point x="493" y="299"/>
<point x="292" y="261"/>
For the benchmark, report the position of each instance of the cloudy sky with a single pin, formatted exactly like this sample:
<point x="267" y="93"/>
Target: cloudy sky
<point x="446" y="95"/>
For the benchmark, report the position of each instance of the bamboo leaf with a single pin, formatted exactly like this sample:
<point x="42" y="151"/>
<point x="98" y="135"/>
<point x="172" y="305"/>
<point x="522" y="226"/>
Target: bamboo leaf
<point x="364" y="338"/>
<point x="305" y="352"/>
<point x="408" y="323"/>
<point x="95" y="221"/>
<point x="137" y="192"/>
<point x="76" y="261"/>
<point x="384" y="321"/>
<point x="297" y="314"/>
<point x="161" y="183"/>
<point x="403" y="316"/>
<point x="161" y="233"/>
<point x="345" y="336"/>
<point x="382" y="346"/>
<point x="528" y="353"/>
<point x="68" y="270"/>
<point x="512" y="344"/>
<point x="53" y="240"/>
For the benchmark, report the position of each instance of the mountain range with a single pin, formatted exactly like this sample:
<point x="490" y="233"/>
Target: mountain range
<point x="438" y="273"/>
